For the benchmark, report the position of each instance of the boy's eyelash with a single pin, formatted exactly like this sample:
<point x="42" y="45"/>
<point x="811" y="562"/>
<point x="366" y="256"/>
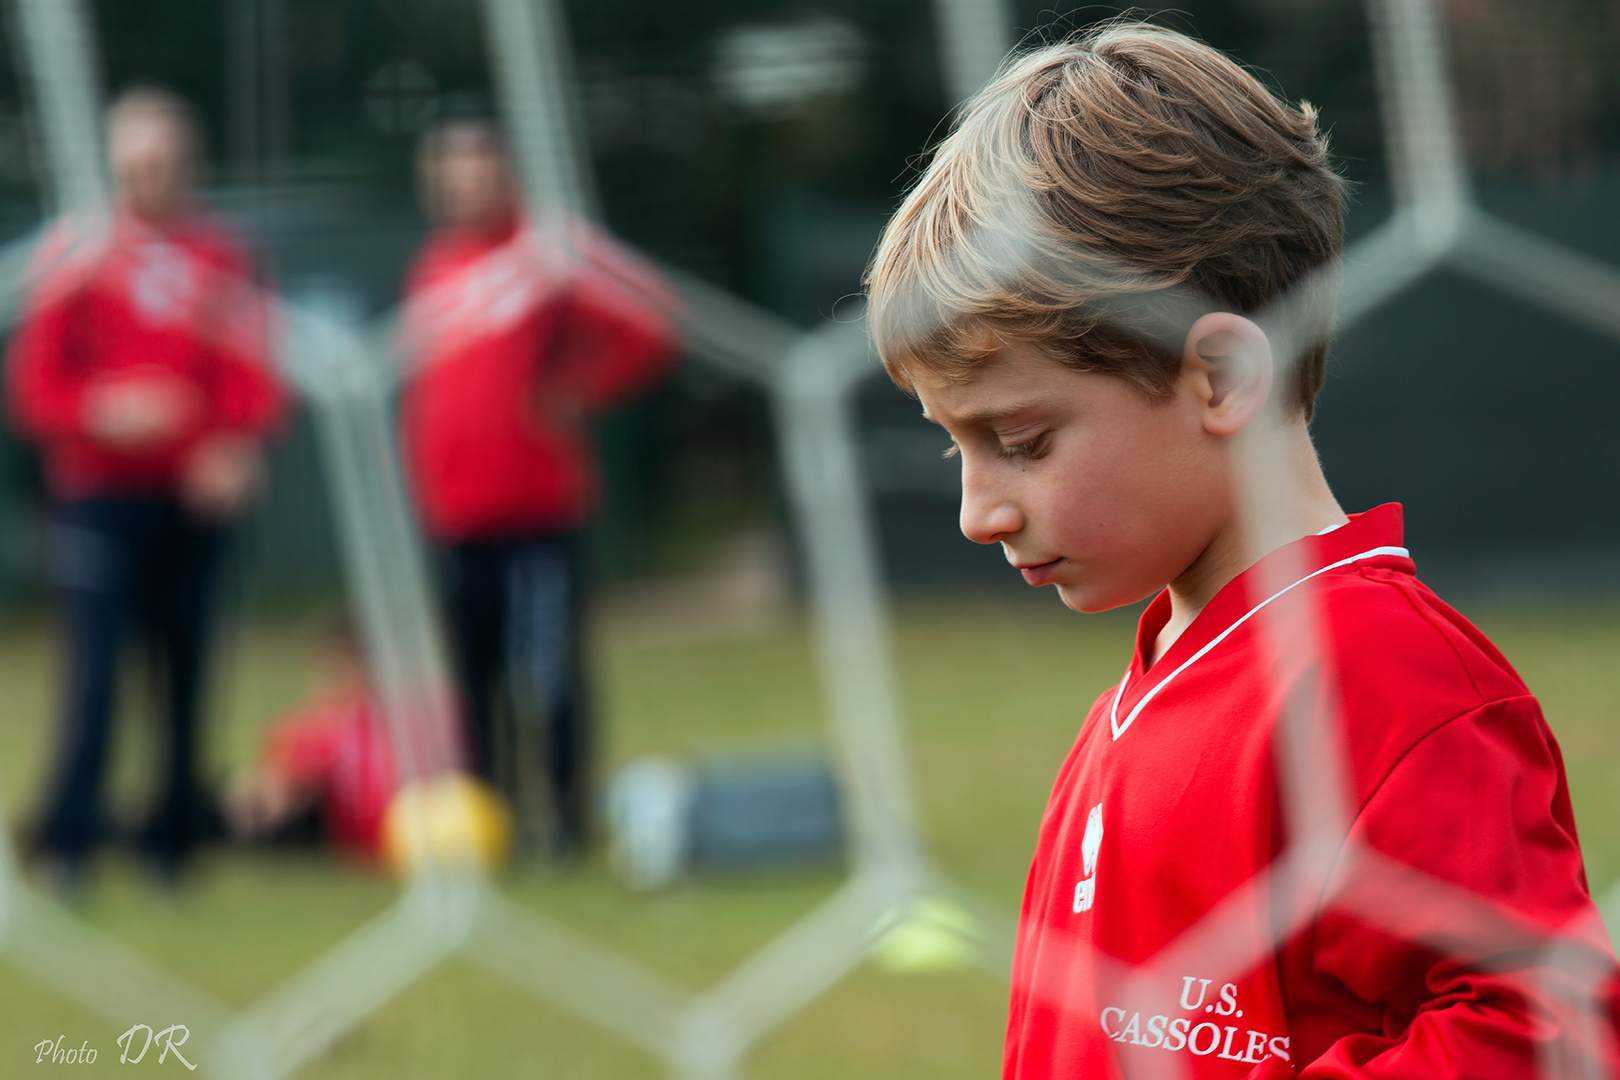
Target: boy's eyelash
<point x="1030" y="448"/>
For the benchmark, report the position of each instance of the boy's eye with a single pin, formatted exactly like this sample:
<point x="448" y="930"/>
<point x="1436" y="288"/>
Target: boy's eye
<point x="1027" y="450"/>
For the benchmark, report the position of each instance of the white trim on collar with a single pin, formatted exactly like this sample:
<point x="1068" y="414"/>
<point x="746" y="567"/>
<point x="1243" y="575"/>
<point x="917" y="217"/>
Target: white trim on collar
<point x="1113" y="709"/>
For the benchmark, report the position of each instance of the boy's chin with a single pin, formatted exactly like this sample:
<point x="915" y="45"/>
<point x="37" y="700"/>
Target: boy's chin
<point x="1079" y="598"/>
<point x="1088" y="599"/>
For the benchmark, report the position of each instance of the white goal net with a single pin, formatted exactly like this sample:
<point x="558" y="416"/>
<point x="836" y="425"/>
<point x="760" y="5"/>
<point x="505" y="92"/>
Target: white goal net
<point x="342" y="368"/>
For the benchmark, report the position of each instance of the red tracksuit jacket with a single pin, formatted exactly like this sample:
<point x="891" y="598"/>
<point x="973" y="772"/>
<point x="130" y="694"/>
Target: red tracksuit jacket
<point x="1263" y="858"/>
<point x="511" y="351"/>
<point x="139" y="301"/>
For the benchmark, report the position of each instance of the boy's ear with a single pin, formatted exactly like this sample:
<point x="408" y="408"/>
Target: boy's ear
<point x="1227" y="362"/>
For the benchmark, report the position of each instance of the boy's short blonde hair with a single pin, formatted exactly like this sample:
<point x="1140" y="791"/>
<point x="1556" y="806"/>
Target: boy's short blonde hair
<point x="1092" y="189"/>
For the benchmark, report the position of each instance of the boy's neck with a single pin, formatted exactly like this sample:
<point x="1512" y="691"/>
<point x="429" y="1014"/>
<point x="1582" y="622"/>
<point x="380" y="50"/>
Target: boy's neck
<point x="1310" y="508"/>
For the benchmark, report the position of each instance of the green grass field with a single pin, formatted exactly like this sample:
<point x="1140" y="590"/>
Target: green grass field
<point x="994" y="694"/>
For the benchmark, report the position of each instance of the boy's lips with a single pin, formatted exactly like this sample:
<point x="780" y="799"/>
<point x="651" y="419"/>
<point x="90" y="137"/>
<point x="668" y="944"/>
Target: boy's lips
<point x="1038" y="574"/>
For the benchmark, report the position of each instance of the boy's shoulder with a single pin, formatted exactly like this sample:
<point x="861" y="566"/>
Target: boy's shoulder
<point x="1405" y="665"/>
<point x="1396" y="631"/>
<point x="1392" y="633"/>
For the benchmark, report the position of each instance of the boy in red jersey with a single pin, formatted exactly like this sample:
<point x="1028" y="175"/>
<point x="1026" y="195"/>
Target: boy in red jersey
<point x="140" y="369"/>
<point x="514" y="348"/>
<point x="331" y="754"/>
<point x="1320" y="827"/>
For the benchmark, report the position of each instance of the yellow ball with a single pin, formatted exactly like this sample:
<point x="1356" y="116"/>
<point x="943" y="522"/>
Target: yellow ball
<point x="935" y="935"/>
<point x="448" y="822"/>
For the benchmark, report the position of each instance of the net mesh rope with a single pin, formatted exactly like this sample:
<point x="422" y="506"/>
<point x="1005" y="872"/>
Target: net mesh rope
<point x="345" y="369"/>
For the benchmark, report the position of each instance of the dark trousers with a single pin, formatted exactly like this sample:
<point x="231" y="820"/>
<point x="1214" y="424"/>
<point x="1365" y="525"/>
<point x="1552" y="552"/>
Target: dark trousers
<point x="513" y="609"/>
<point x="127" y="567"/>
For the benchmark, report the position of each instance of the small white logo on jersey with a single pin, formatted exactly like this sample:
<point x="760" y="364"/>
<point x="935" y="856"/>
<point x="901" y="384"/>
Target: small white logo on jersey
<point x="163" y="283"/>
<point x="1086" y="891"/>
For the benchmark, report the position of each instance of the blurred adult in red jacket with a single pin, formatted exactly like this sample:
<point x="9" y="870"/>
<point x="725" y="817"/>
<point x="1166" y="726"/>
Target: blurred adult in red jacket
<point x="139" y="369"/>
<point x="515" y="344"/>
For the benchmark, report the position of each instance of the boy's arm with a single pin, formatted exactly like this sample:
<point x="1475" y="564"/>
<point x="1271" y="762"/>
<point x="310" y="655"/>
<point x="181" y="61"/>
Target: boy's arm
<point x="1451" y="958"/>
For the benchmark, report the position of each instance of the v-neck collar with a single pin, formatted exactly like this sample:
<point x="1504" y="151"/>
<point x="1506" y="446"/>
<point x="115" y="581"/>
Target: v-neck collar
<point x="1375" y="534"/>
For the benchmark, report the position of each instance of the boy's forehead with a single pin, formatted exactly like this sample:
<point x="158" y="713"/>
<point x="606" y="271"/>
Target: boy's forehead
<point x="1013" y="381"/>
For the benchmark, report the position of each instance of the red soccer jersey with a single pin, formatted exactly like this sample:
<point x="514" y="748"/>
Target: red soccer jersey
<point x="139" y="302"/>
<point x="511" y="352"/>
<point x="1265" y="858"/>
<point x="339" y="747"/>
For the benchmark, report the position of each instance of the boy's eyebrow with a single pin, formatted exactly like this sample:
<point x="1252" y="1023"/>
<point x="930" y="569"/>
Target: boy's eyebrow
<point x="984" y="417"/>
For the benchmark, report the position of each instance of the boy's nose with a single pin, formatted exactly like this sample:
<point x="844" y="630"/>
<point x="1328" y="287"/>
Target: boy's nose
<point x="988" y="517"/>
